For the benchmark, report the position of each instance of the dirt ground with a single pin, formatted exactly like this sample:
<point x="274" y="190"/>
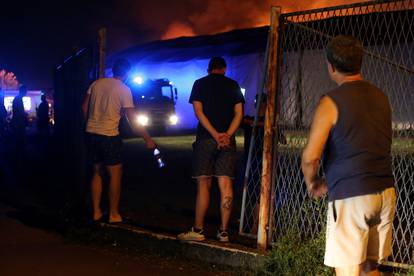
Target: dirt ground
<point x="30" y="251"/>
<point x="161" y="200"/>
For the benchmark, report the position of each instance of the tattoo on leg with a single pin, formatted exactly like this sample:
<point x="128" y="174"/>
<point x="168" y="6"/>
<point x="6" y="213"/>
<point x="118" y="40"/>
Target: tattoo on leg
<point x="227" y="203"/>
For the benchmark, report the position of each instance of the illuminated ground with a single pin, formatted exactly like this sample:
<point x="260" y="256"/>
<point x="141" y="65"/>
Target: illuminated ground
<point x="164" y="199"/>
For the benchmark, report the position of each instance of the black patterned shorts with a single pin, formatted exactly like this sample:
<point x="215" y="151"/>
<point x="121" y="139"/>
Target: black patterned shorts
<point x="209" y="161"/>
<point x="103" y="149"/>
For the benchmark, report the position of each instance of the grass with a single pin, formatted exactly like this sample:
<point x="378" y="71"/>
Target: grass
<point x="293" y="255"/>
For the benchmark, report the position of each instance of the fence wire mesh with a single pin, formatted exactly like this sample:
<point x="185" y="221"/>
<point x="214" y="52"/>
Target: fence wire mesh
<point x="386" y="31"/>
<point x="251" y="193"/>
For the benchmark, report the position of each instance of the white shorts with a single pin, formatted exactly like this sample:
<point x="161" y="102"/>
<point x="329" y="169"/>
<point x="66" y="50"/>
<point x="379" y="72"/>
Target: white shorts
<point x="359" y="229"/>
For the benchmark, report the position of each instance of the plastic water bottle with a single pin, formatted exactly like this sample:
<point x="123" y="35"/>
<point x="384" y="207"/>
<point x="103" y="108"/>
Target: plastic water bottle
<point x="158" y="157"/>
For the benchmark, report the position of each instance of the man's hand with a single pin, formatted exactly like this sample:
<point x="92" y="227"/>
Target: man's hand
<point x="325" y="117"/>
<point x="317" y="188"/>
<point x="223" y="140"/>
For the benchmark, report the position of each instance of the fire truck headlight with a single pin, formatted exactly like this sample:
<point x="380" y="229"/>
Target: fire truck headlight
<point x="142" y="120"/>
<point x="173" y="119"/>
<point x="138" y="80"/>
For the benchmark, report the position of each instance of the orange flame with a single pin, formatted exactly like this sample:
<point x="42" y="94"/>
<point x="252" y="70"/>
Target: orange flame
<point x="178" y="29"/>
<point x="225" y="15"/>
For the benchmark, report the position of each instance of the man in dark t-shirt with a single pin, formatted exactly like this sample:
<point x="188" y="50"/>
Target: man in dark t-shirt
<point x="218" y="105"/>
<point x="353" y="124"/>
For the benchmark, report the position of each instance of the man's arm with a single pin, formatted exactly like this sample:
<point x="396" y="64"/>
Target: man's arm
<point x="140" y="130"/>
<point x="85" y="105"/>
<point x="325" y="117"/>
<point x="204" y="121"/>
<point x="86" y="100"/>
<point x="235" y="123"/>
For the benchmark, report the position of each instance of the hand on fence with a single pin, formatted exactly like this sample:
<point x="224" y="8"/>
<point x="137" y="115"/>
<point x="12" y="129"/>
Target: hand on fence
<point x="318" y="188"/>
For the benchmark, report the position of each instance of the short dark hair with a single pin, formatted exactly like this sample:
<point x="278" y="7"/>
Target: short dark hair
<point x="345" y="54"/>
<point x="216" y="63"/>
<point x="121" y="67"/>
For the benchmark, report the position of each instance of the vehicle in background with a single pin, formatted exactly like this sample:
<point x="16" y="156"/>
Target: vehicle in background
<point x="154" y="101"/>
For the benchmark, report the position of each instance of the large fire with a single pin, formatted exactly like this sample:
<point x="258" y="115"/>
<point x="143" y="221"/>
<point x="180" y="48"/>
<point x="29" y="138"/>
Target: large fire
<point x="225" y="15"/>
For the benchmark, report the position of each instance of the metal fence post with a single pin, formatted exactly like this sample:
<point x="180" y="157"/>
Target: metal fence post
<point x="262" y="237"/>
<point x="102" y="52"/>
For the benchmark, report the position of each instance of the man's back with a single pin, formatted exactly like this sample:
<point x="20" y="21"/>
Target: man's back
<point x="357" y="155"/>
<point x="18" y="107"/>
<point x="218" y="95"/>
<point x="107" y="97"/>
<point x="43" y="114"/>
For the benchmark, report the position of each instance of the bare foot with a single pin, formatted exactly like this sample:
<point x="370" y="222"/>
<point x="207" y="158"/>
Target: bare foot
<point x="97" y="215"/>
<point x="115" y="218"/>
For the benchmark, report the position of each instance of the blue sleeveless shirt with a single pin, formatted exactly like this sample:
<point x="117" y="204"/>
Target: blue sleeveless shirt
<point x="357" y="156"/>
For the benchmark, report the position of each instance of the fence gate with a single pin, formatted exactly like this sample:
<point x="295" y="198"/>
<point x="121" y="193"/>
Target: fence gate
<point x="386" y="29"/>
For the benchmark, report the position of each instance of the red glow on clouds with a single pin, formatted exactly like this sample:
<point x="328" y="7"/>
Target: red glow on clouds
<point x="225" y="15"/>
<point x="178" y="29"/>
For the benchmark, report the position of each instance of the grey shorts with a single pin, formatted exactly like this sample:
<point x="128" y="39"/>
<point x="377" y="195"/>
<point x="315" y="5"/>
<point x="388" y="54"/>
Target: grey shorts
<point x="209" y="161"/>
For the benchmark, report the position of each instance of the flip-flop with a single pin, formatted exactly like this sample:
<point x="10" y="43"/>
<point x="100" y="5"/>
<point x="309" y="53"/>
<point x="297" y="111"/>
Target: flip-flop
<point x="125" y="220"/>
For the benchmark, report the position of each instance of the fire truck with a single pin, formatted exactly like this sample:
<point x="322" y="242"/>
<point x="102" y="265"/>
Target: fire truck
<point x="154" y="101"/>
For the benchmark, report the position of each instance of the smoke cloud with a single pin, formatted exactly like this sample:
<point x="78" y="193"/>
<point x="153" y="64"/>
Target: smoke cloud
<point x="165" y="20"/>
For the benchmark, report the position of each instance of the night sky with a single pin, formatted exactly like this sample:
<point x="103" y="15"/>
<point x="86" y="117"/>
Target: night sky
<point x="36" y="36"/>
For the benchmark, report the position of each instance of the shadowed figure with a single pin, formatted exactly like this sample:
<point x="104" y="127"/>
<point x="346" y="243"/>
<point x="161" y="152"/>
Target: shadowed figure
<point x="3" y="115"/>
<point x="19" y="122"/>
<point x="43" y="117"/>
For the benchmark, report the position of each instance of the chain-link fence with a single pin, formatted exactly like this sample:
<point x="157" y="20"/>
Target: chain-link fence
<point x="386" y="31"/>
<point x="251" y="191"/>
<point x="71" y="81"/>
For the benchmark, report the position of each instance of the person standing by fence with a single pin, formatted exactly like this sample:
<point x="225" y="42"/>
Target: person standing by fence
<point x="43" y="116"/>
<point x="105" y="100"/>
<point x="218" y="105"/>
<point x="353" y="123"/>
